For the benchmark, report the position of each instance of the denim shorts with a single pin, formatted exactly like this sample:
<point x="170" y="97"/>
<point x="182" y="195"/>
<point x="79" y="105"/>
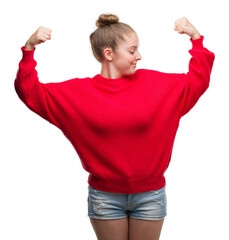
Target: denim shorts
<point x="150" y="205"/>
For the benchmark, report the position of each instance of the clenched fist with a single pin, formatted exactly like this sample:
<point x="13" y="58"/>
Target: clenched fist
<point x="40" y="36"/>
<point x="182" y="25"/>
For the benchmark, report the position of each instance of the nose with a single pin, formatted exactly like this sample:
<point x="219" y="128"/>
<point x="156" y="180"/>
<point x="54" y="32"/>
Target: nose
<point x="138" y="57"/>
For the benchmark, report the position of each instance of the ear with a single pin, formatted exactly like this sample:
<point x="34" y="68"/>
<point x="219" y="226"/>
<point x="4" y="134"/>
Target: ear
<point x="108" y="54"/>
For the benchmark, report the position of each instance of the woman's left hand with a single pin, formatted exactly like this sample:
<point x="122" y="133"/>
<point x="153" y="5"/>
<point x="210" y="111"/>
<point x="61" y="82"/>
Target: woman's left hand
<point x="182" y="25"/>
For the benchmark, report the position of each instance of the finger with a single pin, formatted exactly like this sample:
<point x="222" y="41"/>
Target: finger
<point x="179" y="29"/>
<point x="48" y="29"/>
<point x="46" y="35"/>
<point x="180" y="21"/>
<point x="177" y="24"/>
<point x="43" y="35"/>
<point x="45" y="29"/>
<point x="42" y="39"/>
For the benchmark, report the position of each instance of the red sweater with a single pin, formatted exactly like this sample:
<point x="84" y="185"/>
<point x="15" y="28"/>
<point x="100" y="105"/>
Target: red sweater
<point x="122" y="129"/>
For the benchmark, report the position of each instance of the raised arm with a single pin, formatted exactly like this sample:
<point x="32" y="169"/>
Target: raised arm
<point x="27" y="85"/>
<point x="196" y="81"/>
<point x="27" y="75"/>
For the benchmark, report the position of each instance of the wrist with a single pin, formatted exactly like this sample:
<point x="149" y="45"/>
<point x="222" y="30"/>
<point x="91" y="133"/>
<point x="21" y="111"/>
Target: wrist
<point x="197" y="44"/>
<point x="195" y="36"/>
<point x="28" y="46"/>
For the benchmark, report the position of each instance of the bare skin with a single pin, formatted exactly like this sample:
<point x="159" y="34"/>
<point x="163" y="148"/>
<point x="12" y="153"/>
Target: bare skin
<point x="127" y="229"/>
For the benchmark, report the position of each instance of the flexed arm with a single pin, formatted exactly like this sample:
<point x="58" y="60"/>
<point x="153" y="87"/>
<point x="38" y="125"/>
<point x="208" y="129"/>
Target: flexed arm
<point x="27" y="85"/>
<point x="196" y="81"/>
<point x="27" y="74"/>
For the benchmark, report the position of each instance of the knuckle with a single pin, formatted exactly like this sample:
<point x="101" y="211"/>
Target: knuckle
<point x="39" y="37"/>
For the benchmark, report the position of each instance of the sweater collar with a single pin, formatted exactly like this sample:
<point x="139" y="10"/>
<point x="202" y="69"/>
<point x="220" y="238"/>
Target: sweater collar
<point x="114" y="84"/>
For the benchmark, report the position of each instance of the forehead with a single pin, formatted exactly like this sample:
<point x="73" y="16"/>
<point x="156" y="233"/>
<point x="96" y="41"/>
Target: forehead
<point x="131" y="39"/>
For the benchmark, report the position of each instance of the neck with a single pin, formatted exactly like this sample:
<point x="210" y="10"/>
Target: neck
<point x="108" y="71"/>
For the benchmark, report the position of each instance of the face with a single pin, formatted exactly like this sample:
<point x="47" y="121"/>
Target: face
<point x="126" y="55"/>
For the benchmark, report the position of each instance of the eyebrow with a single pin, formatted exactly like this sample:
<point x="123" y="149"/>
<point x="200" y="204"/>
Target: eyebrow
<point x="133" y="46"/>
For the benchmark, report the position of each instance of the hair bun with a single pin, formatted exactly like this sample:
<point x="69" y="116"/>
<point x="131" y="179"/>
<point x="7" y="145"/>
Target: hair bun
<point x="106" y="19"/>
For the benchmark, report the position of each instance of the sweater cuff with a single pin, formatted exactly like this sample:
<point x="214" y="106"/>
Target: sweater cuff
<point x="197" y="43"/>
<point x="27" y="55"/>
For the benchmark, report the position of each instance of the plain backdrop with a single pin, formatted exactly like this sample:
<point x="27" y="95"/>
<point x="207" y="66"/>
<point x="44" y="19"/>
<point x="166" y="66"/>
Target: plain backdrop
<point x="43" y="187"/>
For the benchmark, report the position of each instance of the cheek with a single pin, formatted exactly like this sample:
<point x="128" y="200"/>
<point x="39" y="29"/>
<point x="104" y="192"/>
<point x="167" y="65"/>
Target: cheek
<point x="128" y="60"/>
<point x="124" y="61"/>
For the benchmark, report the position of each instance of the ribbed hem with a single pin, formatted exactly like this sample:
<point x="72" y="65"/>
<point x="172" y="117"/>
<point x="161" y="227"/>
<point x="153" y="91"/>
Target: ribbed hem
<point x="197" y="43"/>
<point x="143" y="185"/>
<point x="28" y="55"/>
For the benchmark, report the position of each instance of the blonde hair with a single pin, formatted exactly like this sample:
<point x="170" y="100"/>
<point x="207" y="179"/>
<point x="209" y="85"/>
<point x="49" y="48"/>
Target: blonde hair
<point x="108" y="34"/>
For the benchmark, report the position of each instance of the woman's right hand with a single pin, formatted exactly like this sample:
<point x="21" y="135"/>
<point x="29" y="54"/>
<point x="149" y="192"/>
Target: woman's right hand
<point x="40" y="36"/>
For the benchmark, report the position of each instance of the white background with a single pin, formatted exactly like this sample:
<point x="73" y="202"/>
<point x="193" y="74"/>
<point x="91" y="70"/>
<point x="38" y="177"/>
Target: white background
<point x="43" y="187"/>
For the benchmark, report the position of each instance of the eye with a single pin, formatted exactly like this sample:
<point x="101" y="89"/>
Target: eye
<point x="132" y="52"/>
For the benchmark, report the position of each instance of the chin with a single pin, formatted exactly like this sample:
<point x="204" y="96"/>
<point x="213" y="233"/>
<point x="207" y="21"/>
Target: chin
<point x="131" y="71"/>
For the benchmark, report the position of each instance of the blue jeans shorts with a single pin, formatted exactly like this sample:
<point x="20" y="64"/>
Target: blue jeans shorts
<point x="151" y="205"/>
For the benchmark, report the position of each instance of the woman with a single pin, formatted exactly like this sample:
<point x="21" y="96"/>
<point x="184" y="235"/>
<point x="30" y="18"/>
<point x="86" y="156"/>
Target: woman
<point x="122" y="123"/>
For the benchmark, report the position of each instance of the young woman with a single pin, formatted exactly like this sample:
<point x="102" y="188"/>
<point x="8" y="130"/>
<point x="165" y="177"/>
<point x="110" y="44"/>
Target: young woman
<point x="121" y="122"/>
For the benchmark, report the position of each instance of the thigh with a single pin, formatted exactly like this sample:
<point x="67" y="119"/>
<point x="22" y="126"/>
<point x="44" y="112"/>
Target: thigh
<point x="114" y="229"/>
<point x="106" y="205"/>
<point x="151" y="205"/>
<point x="145" y="229"/>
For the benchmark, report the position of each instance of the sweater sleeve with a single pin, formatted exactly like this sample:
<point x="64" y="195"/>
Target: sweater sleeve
<point x="31" y="91"/>
<point x="196" y="81"/>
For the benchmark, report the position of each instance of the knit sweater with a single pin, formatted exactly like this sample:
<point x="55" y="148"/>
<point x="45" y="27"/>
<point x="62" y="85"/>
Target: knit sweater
<point x="122" y="129"/>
